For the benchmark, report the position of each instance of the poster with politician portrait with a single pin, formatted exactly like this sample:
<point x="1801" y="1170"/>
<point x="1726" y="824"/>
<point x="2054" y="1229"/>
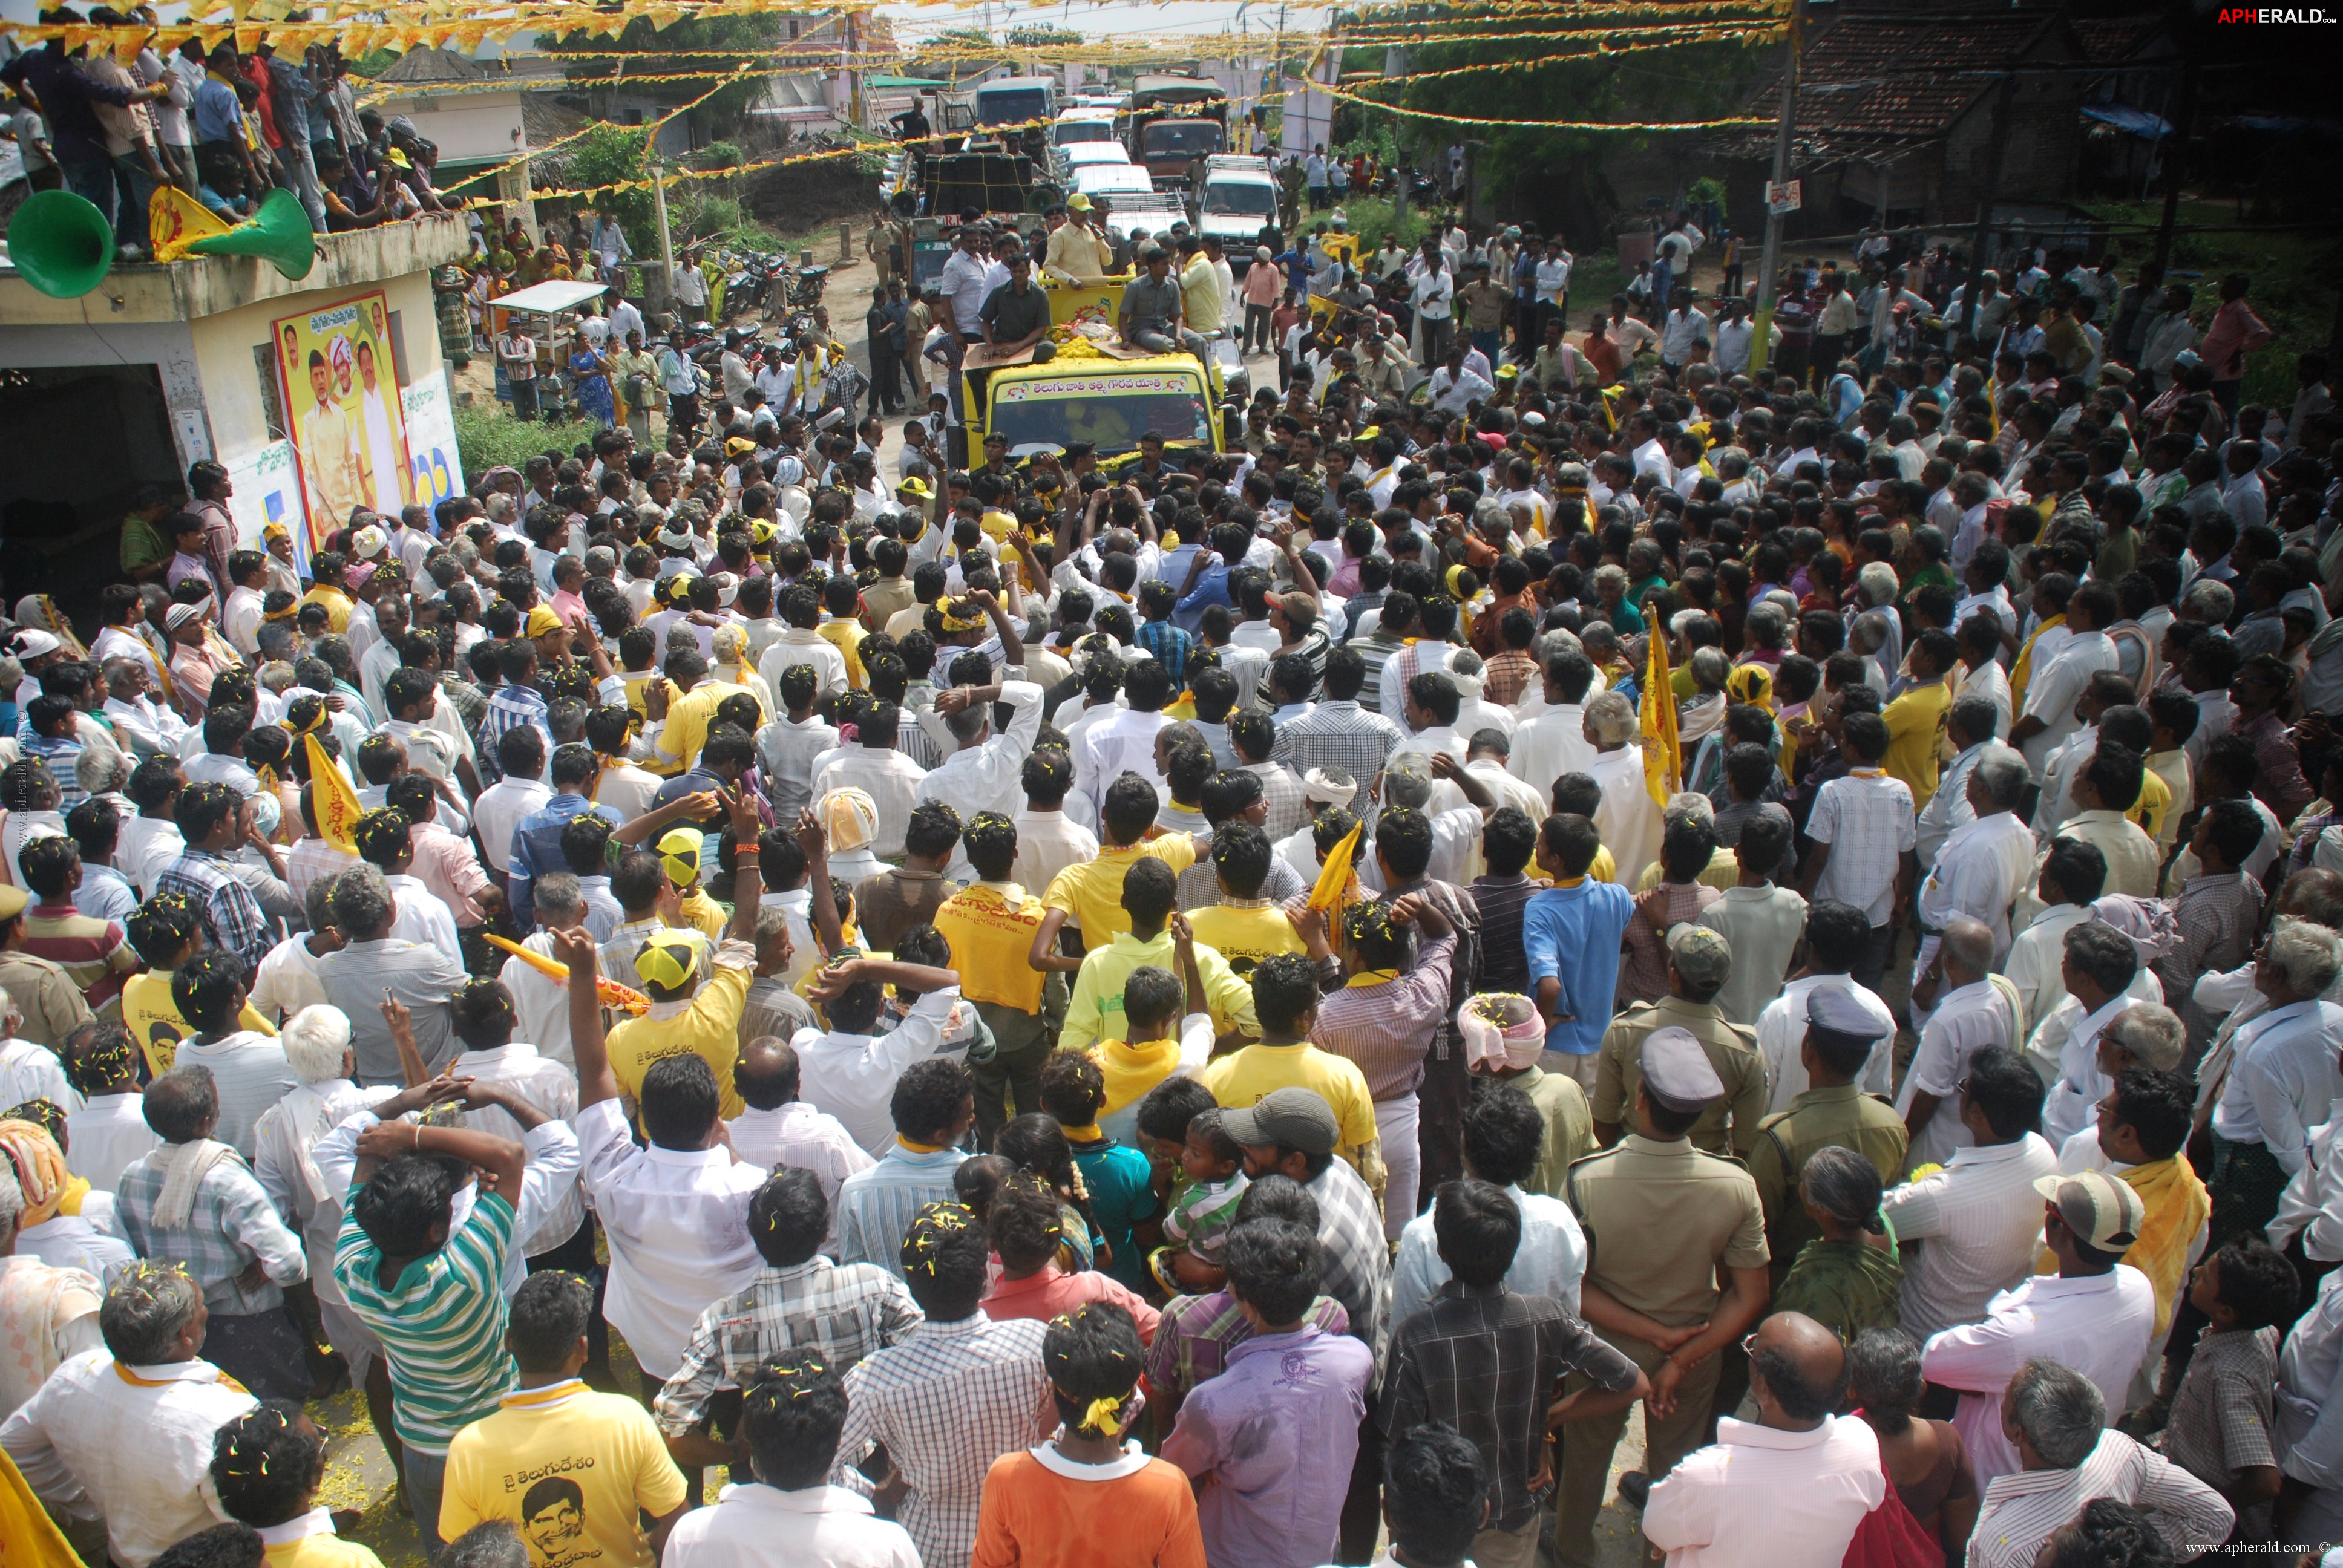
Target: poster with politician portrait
<point x="341" y="403"/>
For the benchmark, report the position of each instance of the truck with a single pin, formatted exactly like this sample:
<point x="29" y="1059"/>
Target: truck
<point x="1084" y="123"/>
<point x="1177" y="119"/>
<point x="1025" y="103"/>
<point x="1235" y="200"/>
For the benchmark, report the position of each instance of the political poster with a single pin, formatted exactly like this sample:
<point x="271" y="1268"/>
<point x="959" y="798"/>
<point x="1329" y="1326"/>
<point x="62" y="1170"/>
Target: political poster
<point x="342" y="404"/>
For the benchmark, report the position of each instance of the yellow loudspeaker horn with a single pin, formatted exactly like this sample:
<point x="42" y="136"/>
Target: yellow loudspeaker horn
<point x="279" y="232"/>
<point x="61" y="244"/>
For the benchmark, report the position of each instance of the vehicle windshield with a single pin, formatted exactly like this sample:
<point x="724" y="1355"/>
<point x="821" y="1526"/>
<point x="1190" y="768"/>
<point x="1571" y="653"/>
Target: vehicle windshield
<point x="1084" y="131"/>
<point x="1109" y="409"/>
<point x="1009" y="106"/>
<point x="1187" y="138"/>
<point x="1231" y="198"/>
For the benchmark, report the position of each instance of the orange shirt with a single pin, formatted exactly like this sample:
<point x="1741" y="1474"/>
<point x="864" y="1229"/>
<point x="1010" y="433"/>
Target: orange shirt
<point x="1040" y="1508"/>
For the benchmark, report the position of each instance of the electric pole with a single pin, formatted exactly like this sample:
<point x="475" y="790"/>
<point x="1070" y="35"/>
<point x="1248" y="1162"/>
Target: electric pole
<point x="1769" y="259"/>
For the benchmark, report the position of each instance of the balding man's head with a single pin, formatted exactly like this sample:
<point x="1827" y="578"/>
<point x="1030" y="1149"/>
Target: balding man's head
<point x="1798" y="1370"/>
<point x="767" y="1073"/>
<point x="1967" y="950"/>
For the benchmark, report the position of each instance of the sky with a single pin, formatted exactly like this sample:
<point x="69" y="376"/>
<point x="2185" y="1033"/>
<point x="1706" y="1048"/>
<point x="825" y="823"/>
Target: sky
<point x="1106" y="21"/>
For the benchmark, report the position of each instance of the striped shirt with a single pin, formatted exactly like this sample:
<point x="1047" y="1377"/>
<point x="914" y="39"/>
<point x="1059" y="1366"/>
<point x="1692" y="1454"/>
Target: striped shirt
<point x="231" y="1225"/>
<point x="250" y="1074"/>
<point x="91" y="951"/>
<point x="1980" y="1214"/>
<point x="441" y="1323"/>
<point x="2022" y="1510"/>
<point x="875" y="1207"/>
<point x="945" y="1404"/>
<point x="1386" y="1023"/>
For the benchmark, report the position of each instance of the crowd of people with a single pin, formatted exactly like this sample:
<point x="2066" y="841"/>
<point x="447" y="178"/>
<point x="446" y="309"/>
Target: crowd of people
<point x="1228" y="1008"/>
<point x="225" y="126"/>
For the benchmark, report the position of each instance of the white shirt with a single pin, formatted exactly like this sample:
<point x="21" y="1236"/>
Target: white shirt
<point x="804" y="645"/>
<point x="1047" y="843"/>
<point x="1759" y="1497"/>
<point x="1979" y="873"/>
<point x="678" y="1222"/>
<point x="2052" y="688"/>
<point x="422" y="916"/>
<point x="1982" y="1215"/>
<point x="2312" y="1205"/>
<point x="105" y="1135"/>
<point x="1550" y="1262"/>
<point x="2073" y="1102"/>
<point x="1628" y="818"/>
<point x="1782" y="1031"/>
<point x="1548" y="745"/>
<point x="287" y="981"/>
<point x="892" y="782"/>
<point x="541" y="1008"/>
<point x="758" y="1526"/>
<point x="550" y="1087"/>
<point x="1122" y="742"/>
<point x="1966" y="1021"/>
<point x="797" y="1134"/>
<point x="2097" y="1325"/>
<point x="500" y="807"/>
<point x="1867" y="818"/>
<point x="987" y="778"/>
<point x="852" y="1076"/>
<point x="136" y="1454"/>
<point x="2035" y="960"/>
<point x="2282" y="1075"/>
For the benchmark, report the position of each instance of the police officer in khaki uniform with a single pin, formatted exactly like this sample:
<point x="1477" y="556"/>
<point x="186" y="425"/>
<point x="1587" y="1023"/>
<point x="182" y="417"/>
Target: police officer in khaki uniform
<point x="1840" y="1037"/>
<point x="1699" y="961"/>
<point x="1661" y="1219"/>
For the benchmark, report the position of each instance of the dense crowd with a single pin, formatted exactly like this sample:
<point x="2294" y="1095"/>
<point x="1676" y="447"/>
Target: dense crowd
<point x="1232" y="1008"/>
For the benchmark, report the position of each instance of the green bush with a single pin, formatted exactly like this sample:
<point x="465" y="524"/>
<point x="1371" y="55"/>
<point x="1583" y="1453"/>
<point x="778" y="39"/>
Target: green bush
<point x="488" y="437"/>
<point x="1370" y="220"/>
<point x="717" y="216"/>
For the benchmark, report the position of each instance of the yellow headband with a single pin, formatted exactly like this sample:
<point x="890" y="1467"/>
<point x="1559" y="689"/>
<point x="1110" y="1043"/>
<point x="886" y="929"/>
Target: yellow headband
<point x="954" y="620"/>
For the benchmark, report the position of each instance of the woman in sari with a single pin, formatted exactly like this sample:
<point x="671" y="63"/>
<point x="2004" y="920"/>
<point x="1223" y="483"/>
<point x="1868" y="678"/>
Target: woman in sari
<point x="589" y="376"/>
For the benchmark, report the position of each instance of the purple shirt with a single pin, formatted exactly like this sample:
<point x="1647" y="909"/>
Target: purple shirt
<point x="1276" y="1433"/>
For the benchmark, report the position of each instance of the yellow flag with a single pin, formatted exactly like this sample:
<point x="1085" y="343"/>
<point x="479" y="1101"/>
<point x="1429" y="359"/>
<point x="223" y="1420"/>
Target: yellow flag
<point x="1335" y="874"/>
<point x="336" y="803"/>
<point x="29" y="1538"/>
<point x="1663" y="751"/>
<point x="175" y="220"/>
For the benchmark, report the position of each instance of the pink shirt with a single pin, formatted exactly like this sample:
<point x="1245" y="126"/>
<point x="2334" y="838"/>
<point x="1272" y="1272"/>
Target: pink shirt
<point x="1050" y="1293"/>
<point x="1261" y="281"/>
<point x="447" y="866"/>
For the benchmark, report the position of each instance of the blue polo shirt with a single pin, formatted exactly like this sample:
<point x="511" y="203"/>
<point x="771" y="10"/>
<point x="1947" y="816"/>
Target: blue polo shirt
<point x="1572" y="935"/>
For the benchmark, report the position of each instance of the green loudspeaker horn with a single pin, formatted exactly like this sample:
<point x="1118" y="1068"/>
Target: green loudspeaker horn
<point x="280" y="232"/>
<point x="62" y="245"/>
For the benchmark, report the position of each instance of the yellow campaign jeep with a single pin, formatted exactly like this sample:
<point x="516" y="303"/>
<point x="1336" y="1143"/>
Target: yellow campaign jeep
<point x="1107" y="402"/>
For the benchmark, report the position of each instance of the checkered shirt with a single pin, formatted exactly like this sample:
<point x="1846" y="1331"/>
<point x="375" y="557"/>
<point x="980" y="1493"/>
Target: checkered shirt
<point x="1341" y="735"/>
<point x="1196" y="1334"/>
<point x="842" y="1313"/>
<point x="230" y="914"/>
<point x="1485" y="1364"/>
<point x="946" y="1403"/>
<point x="231" y="1224"/>
<point x="1358" y="1258"/>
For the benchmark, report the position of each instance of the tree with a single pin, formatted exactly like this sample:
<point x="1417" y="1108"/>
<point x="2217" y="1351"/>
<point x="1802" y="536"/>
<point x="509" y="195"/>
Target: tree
<point x="610" y="154"/>
<point x="1047" y="36"/>
<point x="1558" y="176"/>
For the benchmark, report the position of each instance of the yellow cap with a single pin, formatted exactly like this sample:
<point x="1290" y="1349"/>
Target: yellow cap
<point x="738" y="444"/>
<point x="669" y="958"/>
<point x="915" y="485"/>
<point x="1078" y="202"/>
<point x="678" y="851"/>
<point x="542" y="621"/>
<point x="763" y="532"/>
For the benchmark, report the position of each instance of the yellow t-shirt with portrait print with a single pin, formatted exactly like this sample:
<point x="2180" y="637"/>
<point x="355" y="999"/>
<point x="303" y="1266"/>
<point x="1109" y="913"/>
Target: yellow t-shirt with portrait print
<point x="154" y="1022"/>
<point x="570" y="1468"/>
